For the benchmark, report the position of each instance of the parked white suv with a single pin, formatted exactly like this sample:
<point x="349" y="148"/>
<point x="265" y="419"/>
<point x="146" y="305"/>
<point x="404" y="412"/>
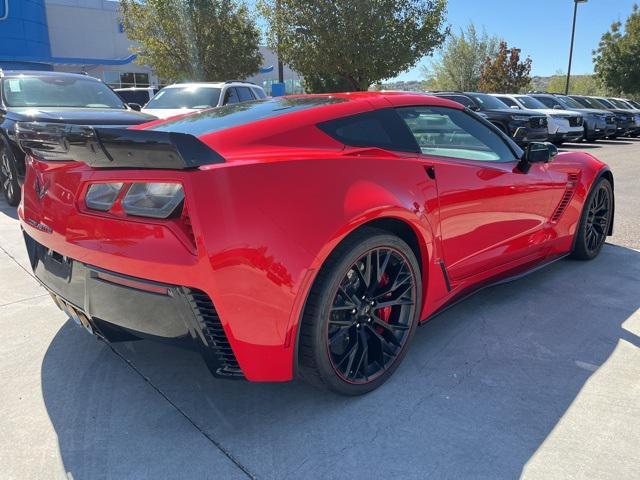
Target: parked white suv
<point x="563" y="125"/>
<point x="181" y="98"/>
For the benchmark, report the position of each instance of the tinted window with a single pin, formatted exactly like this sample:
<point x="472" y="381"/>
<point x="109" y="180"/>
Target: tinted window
<point x="454" y="133"/>
<point x="229" y="116"/>
<point x="467" y="102"/>
<point x="259" y="93"/>
<point x="380" y="128"/>
<point x="58" y="91"/>
<point x="189" y="96"/>
<point x="134" y="96"/>
<point x="568" y="101"/>
<point x="507" y="101"/>
<point x="244" y="93"/>
<point x="231" y="96"/>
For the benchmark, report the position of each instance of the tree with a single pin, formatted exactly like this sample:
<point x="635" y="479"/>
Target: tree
<point x="505" y="73"/>
<point x="202" y="40"/>
<point x="616" y="58"/>
<point x="460" y="62"/>
<point x="339" y="45"/>
<point x="578" y="85"/>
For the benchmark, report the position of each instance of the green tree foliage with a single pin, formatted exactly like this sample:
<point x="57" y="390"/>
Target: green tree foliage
<point x="578" y="85"/>
<point x="340" y="45"/>
<point x="203" y="40"/>
<point x="617" y="58"/>
<point x="460" y="62"/>
<point x="505" y="73"/>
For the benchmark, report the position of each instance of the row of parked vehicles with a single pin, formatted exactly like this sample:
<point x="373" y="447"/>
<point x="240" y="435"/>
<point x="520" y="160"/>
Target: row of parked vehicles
<point x="553" y="117"/>
<point x="57" y="97"/>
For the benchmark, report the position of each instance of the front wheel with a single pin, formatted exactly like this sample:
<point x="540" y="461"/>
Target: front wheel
<point x="595" y="221"/>
<point x="361" y="313"/>
<point x="9" y="177"/>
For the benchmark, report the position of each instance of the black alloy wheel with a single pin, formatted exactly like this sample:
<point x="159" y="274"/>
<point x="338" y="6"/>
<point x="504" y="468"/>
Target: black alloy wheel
<point x="371" y="315"/>
<point x="361" y="313"/>
<point x="9" y="178"/>
<point x="595" y="222"/>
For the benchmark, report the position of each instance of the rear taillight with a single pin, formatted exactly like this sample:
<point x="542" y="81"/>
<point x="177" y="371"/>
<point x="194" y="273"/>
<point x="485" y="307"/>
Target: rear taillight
<point x="101" y="196"/>
<point x="149" y="199"/>
<point x="156" y="200"/>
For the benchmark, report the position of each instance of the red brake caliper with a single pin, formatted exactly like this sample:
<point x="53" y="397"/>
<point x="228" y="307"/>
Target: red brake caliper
<point x="385" y="312"/>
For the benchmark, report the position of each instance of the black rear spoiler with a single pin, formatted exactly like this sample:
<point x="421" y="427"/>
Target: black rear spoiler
<point x="106" y="147"/>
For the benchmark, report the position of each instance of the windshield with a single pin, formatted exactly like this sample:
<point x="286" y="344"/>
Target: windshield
<point x="592" y="103"/>
<point x="570" y="102"/>
<point x="605" y="102"/>
<point x="634" y="103"/>
<point x="530" y="102"/>
<point x="62" y="91"/>
<point x="488" y="102"/>
<point x="185" y="97"/>
<point x="619" y="104"/>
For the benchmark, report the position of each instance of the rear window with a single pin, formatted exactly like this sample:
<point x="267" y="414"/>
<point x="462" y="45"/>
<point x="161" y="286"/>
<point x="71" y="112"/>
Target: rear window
<point x="234" y="115"/>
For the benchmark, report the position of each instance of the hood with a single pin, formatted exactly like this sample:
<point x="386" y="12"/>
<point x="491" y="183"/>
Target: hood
<point x="79" y="116"/>
<point x="169" y="112"/>
<point x="594" y="110"/>
<point x="558" y="112"/>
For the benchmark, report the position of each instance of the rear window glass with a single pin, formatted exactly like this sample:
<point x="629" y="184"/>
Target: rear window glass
<point x="380" y="128"/>
<point x="230" y="116"/>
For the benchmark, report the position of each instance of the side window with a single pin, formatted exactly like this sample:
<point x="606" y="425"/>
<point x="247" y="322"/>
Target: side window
<point x="508" y="101"/>
<point x="379" y="128"/>
<point x="448" y="132"/>
<point x="230" y="96"/>
<point x="244" y="93"/>
<point x="259" y="93"/>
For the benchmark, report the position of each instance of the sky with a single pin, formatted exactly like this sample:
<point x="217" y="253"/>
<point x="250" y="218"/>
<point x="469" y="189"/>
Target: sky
<point x="541" y="28"/>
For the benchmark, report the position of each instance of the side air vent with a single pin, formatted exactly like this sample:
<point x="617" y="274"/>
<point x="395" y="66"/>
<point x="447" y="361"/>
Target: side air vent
<point x="572" y="181"/>
<point x="214" y="333"/>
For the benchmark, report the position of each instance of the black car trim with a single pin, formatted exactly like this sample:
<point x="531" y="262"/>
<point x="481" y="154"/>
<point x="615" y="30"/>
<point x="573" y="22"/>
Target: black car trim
<point x="114" y="147"/>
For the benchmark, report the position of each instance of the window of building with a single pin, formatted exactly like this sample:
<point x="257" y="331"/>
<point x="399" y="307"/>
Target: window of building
<point x="126" y="79"/>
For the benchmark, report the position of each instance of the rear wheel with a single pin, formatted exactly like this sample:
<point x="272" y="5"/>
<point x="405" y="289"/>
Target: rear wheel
<point x="9" y="177"/>
<point x="595" y="221"/>
<point x="361" y="313"/>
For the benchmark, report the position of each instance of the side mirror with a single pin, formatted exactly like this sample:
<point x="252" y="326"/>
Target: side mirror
<point x="135" y="106"/>
<point x="537" y="152"/>
<point x="515" y="107"/>
<point x="475" y="108"/>
<point x="557" y="107"/>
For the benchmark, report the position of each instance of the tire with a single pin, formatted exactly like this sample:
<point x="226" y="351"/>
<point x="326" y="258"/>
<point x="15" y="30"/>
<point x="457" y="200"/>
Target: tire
<point x="9" y="177"/>
<point x="341" y="364"/>
<point x="595" y="221"/>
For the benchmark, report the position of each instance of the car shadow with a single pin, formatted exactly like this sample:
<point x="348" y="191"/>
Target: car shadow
<point x="6" y="209"/>
<point x="481" y="389"/>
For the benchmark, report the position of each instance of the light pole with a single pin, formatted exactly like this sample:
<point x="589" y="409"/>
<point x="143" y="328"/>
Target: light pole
<point x="573" y="32"/>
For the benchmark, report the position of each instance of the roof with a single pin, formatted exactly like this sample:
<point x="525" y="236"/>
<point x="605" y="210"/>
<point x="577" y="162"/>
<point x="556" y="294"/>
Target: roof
<point x="45" y="73"/>
<point x="207" y="84"/>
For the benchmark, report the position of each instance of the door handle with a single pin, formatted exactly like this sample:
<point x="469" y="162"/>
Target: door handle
<point x="431" y="172"/>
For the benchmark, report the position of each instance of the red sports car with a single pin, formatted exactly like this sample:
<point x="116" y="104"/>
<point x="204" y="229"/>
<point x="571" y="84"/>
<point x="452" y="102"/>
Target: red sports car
<point x="302" y="236"/>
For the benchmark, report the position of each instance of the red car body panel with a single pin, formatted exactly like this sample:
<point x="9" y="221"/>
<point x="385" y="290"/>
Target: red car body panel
<point x="261" y="225"/>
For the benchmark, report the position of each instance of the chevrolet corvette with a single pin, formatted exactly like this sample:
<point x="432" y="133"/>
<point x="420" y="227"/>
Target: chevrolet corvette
<point x="298" y="237"/>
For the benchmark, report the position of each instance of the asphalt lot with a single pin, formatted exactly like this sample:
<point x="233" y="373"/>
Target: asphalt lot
<point x="538" y="378"/>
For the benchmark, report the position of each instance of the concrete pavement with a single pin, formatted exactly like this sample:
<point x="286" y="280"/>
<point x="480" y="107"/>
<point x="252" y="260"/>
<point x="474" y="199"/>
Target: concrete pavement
<point x="538" y="378"/>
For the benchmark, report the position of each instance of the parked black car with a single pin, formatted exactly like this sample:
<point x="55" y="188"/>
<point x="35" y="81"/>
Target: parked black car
<point x="624" y="120"/>
<point x="52" y="97"/>
<point x="598" y="123"/>
<point x="523" y="126"/>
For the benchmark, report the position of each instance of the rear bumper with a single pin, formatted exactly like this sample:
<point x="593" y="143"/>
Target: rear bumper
<point x="120" y="307"/>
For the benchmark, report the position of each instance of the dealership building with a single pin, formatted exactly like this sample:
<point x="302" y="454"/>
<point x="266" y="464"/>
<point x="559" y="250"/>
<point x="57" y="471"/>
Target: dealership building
<point x="87" y="36"/>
